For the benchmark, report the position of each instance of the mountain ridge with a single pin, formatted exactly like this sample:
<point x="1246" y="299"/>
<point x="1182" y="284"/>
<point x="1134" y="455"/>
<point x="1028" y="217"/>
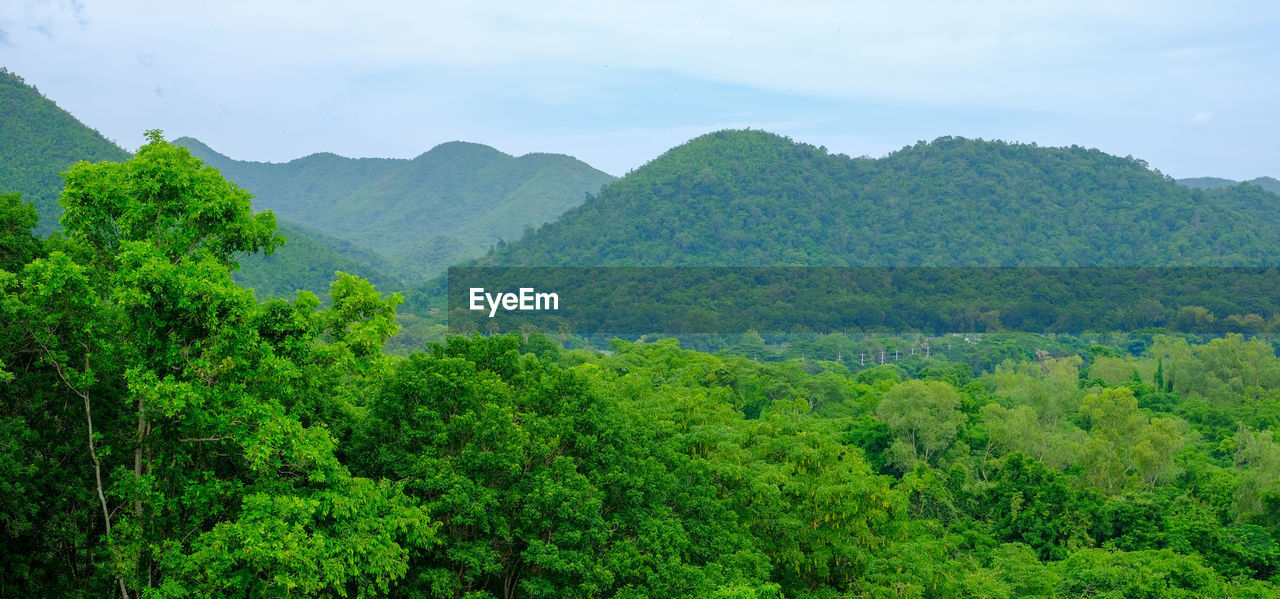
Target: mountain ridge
<point x="1270" y="184"/>
<point x="448" y="204"/>
<point x="754" y="198"/>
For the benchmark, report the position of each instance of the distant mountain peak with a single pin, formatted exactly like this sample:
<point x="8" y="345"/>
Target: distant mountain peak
<point x="462" y="150"/>
<point x="1268" y="183"/>
<point x="192" y="143"/>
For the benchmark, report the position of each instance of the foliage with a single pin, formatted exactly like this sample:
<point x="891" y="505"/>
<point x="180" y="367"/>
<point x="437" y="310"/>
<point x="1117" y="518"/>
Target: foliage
<point x="924" y="416"/>
<point x="209" y="467"/>
<point x="164" y="433"/>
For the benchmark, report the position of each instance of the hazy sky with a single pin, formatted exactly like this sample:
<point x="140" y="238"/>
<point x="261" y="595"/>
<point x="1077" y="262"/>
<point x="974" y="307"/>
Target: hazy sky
<point x="1191" y="87"/>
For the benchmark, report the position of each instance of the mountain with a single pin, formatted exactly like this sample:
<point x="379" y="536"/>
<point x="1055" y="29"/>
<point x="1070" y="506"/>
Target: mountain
<point x="754" y="198"/>
<point x="1268" y="183"/>
<point x="448" y="205"/>
<point x="391" y="221"/>
<point x="39" y="140"/>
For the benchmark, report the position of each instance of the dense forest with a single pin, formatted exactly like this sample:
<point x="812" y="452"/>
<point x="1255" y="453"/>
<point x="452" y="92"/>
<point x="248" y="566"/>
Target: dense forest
<point x="750" y="198"/>
<point x="632" y="301"/>
<point x="167" y="434"/>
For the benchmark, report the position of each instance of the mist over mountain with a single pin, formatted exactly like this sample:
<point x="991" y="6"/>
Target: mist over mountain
<point x="447" y="205"/>
<point x="755" y="198"/>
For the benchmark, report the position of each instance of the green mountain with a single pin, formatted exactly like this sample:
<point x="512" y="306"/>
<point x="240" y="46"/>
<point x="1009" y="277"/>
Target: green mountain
<point x="1268" y="183"/>
<point x="39" y="140"/>
<point x="448" y="205"/>
<point x="303" y="188"/>
<point x="754" y="198"/>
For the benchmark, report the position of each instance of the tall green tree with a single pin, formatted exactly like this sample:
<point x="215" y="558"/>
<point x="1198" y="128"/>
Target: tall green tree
<point x="210" y="473"/>
<point x="1125" y="446"/>
<point x="18" y="245"/>
<point x="924" y="416"/>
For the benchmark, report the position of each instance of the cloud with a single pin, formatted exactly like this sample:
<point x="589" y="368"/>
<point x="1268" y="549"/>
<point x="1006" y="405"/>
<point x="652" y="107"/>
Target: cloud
<point x="938" y="52"/>
<point x="1200" y="119"/>
<point x="290" y="77"/>
<point x="4" y="38"/>
<point x="77" y="10"/>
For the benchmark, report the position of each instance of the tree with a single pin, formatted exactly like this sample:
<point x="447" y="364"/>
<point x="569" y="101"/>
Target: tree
<point x="925" y="416"/>
<point x="1124" y="445"/>
<point x="1028" y="503"/>
<point x="1258" y="459"/>
<point x="18" y="245"/>
<point x="547" y="488"/>
<point x="1019" y="430"/>
<point x="212" y="473"/>
<point x="1102" y="573"/>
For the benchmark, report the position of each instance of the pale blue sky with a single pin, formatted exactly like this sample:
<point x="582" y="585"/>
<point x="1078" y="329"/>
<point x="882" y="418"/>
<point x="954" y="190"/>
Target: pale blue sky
<point x="1191" y="87"/>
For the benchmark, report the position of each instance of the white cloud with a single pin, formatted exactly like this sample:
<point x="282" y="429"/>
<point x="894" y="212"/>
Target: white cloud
<point x="1200" y="119"/>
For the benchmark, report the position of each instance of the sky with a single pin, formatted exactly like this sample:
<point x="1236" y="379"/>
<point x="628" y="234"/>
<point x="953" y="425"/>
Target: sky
<point x="1190" y="87"/>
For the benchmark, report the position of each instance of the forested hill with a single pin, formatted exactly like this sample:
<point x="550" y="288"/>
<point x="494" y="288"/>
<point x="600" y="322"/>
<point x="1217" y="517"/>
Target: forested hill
<point x="39" y="140"/>
<point x="447" y="205"/>
<point x="754" y="198"/>
<point x="1268" y="183"/>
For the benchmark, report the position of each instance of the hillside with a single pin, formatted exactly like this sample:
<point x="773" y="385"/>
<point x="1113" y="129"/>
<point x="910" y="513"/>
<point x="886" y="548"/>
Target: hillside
<point x="754" y="198"/>
<point x="307" y="261"/>
<point x="447" y="205"/>
<point x="39" y="140"/>
<point x="1268" y="183"/>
